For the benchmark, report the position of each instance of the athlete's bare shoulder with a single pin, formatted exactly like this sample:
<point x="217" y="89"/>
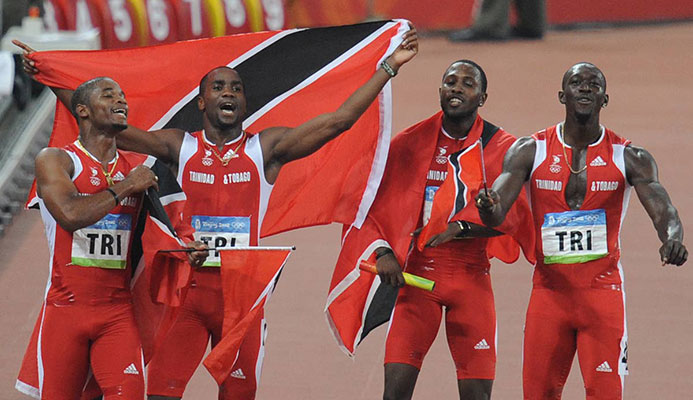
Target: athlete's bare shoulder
<point x="520" y="156"/>
<point x="640" y="165"/>
<point x="54" y="157"/>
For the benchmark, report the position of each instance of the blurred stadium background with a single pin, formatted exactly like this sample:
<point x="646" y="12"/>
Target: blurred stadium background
<point x="655" y="64"/>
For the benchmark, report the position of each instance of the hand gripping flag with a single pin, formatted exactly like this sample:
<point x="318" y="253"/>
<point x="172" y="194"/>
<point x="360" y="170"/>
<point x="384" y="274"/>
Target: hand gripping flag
<point x="159" y="281"/>
<point x="249" y="276"/>
<point x="464" y="177"/>
<point x="290" y="76"/>
<point x="357" y="302"/>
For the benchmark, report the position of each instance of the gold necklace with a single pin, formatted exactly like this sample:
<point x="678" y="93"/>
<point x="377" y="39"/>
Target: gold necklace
<point x="229" y="154"/>
<point x="570" y="167"/>
<point x="107" y="174"/>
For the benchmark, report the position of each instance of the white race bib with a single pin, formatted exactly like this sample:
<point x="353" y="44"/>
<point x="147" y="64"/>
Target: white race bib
<point x="221" y="232"/>
<point x="103" y="244"/>
<point x="573" y="237"/>
<point x="428" y="202"/>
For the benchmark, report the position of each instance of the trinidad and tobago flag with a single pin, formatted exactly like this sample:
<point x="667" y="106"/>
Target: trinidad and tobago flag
<point x="289" y="76"/>
<point x="465" y="176"/>
<point x="357" y="301"/>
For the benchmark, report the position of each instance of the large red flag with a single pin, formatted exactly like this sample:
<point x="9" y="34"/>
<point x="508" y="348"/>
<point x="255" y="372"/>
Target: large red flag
<point x="248" y="278"/>
<point x="290" y="76"/>
<point x="464" y="177"/>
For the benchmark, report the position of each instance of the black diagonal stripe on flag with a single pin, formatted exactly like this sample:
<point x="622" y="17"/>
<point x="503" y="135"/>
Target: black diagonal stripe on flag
<point x="282" y="65"/>
<point x="380" y="308"/>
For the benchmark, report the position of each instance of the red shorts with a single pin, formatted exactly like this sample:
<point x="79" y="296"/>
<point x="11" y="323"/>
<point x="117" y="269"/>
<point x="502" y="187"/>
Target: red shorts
<point x="70" y="339"/>
<point x="470" y="317"/>
<point x="561" y="321"/>
<point x="200" y="320"/>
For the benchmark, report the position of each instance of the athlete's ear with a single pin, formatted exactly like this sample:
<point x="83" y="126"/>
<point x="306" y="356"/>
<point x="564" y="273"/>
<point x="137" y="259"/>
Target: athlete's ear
<point x="561" y="96"/>
<point x="606" y="100"/>
<point x="82" y="110"/>
<point x="200" y="103"/>
<point x="482" y="100"/>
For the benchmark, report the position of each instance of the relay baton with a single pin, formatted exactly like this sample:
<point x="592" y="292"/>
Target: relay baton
<point x="409" y="279"/>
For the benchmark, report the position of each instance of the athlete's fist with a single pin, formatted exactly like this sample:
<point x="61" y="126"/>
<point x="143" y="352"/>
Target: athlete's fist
<point x="197" y="257"/>
<point x="389" y="270"/>
<point x="673" y="252"/>
<point x="141" y="178"/>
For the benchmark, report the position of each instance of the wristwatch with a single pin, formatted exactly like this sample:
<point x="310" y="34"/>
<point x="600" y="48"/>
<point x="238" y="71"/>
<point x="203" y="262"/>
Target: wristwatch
<point x="465" y="228"/>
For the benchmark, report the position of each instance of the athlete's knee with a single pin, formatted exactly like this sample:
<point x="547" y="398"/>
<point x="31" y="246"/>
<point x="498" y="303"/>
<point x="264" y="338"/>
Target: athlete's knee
<point x="400" y="380"/>
<point x="475" y="389"/>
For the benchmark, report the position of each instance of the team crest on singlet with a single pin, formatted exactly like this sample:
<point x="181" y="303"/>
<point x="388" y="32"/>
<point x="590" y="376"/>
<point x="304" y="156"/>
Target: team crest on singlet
<point x="441" y="157"/>
<point x="555" y="166"/>
<point x="207" y="160"/>
<point x="573" y="237"/>
<point x="94" y="178"/>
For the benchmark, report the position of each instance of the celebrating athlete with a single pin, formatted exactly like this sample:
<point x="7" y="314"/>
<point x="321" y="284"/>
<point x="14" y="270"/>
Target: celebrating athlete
<point x="580" y="175"/>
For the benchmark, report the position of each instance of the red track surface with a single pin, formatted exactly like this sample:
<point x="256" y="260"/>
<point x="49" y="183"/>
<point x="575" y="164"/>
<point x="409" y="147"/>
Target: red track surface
<point x="649" y="79"/>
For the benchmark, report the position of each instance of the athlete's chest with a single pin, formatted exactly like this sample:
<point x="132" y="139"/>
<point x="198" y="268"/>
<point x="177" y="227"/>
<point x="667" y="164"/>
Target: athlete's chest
<point x="585" y="178"/>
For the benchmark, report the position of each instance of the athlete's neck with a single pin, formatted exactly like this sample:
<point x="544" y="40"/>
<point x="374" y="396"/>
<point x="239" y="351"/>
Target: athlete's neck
<point x="459" y="127"/>
<point x="579" y="135"/>
<point x="219" y="137"/>
<point x="101" y="146"/>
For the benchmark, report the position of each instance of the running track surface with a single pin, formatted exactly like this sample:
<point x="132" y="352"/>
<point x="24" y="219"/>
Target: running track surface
<point x="651" y="88"/>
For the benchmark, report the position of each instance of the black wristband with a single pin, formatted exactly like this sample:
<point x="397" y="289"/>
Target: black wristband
<point x="115" y="196"/>
<point x="383" y="253"/>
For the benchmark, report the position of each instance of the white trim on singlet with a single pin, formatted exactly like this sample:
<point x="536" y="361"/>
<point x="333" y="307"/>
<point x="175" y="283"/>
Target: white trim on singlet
<point x="187" y="149"/>
<point x="254" y="151"/>
<point x="76" y="163"/>
<point x="559" y="133"/>
<point x="539" y="154"/>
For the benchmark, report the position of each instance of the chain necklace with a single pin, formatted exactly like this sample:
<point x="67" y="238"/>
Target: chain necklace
<point x="229" y="154"/>
<point x="107" y="174"/>
<point x="570" y="167"/>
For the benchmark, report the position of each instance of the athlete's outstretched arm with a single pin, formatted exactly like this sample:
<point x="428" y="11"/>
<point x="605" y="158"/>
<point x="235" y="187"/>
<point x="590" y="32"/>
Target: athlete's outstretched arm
<point x="74" y="210"/>
<point x="282" y="145"/>
<point x="641" y="172"/>
<point x="517" y="165"/>
<point x="163" y="144"/>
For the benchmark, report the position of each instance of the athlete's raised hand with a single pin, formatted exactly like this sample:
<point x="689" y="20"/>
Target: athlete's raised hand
<point x="27" y="63"/>
<point x="406" y="50"/>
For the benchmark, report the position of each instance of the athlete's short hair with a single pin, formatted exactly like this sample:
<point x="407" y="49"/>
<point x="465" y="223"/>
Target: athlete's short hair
<point x="587" y="64"/>
<point x="482" y="74"/>
<point x="203" y="81"/>
<point x="82" y="93"/>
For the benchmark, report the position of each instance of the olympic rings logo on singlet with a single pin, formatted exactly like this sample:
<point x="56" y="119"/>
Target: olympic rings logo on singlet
<point x="573" y="237"/>
<point x="103" y="244"/>
<point x="428" y="202"/>
<point x="220" y="232"/>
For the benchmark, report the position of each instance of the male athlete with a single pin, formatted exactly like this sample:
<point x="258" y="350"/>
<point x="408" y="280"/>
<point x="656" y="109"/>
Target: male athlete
<point x="227" y="175"/>
<point x="90" y="196"/>
<point x="580" y="175"/>
<point x="460" y="268"/>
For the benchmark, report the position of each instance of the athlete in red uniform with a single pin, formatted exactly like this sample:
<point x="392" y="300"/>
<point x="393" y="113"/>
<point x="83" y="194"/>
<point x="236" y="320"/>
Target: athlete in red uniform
<point x="457" y="266"/>
<point x="90" y="196"/>
<point x="580" y="175"/>
<point x="227" y="175"/>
